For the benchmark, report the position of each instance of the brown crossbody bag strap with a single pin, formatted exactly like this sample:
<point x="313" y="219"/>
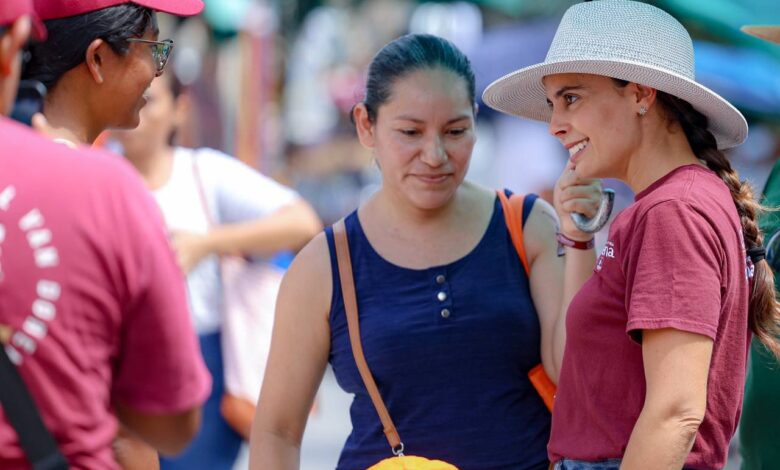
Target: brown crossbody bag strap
<point x="353" y="322"/>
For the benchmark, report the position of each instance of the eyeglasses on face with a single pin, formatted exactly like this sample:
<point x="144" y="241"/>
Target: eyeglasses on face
<point x="161" y="50"/>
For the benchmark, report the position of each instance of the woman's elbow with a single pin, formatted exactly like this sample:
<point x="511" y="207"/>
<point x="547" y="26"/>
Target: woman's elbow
<point x="689" y="422"/>
<point x="683" y="416"/>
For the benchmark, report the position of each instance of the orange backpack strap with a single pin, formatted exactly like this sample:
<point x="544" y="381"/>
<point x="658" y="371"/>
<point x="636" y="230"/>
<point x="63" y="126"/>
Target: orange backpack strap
<point x="513" y="215"/>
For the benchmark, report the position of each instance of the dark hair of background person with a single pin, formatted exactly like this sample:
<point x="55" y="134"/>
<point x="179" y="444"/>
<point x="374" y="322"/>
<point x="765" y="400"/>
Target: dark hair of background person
<point x="408" y="54"/>
<point x="764" y="314"/>
<point x="68" y="39"/>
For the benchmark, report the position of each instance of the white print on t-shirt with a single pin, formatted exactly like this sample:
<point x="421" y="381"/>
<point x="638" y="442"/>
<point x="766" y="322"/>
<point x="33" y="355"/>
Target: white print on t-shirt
<point x="607" y="252"/>
<point x="43" y="308"/>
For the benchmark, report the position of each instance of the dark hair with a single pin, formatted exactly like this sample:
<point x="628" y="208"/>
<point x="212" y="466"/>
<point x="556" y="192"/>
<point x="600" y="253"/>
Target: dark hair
<point x="763" y="312"/>
<point x="407" y="54"/>
<point x="68" y="39"/>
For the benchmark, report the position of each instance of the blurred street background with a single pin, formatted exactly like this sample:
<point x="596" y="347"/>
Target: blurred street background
<point x="273" y="82"/>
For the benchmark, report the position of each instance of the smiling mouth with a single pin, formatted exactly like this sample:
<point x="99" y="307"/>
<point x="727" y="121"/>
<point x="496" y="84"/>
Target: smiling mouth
<point x="576" y="149"/>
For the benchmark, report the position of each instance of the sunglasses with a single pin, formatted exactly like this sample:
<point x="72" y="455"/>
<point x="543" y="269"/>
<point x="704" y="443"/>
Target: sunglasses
<point x="161" y="50"/>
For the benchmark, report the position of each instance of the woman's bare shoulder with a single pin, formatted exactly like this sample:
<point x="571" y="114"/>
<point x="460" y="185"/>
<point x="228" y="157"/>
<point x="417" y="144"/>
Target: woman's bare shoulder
<point x="308" y="280"/>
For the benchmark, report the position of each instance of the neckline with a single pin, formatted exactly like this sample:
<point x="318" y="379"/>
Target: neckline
<point x="655" y="184"/>
<point x="478" y="246"/>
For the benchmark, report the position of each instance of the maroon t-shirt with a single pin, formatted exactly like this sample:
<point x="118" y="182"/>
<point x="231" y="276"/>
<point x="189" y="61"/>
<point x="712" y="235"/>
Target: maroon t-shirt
<point x="90" y="287"/>
<point x="674" y="259"/>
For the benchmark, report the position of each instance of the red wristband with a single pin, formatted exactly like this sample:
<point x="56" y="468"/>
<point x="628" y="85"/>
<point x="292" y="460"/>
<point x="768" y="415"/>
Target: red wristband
<point x="563" y="241"/>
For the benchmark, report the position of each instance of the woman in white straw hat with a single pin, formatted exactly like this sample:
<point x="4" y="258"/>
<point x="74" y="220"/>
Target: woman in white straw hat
<point x="657" y="338"/>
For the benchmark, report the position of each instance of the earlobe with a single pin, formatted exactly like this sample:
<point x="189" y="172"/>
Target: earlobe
<point x="363" y="125"/>
<point x="94" y="60"/>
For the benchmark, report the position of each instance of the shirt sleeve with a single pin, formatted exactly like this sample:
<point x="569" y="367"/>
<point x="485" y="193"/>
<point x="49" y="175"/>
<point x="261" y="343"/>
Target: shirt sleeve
<point x="673" y="272"/>
<point x="159" y="365"/>
<point x="241" y="193"/>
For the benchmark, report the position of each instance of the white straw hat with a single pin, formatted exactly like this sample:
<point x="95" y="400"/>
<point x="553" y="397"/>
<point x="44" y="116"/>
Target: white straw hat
<point x="626" y="40"/>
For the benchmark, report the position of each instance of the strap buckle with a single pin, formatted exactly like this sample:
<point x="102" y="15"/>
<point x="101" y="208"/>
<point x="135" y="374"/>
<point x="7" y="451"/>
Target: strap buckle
<point x="398" y="450"/>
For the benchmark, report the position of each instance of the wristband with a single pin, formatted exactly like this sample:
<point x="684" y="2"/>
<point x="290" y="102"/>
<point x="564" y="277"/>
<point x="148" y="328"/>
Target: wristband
<point x="564" y="241"/>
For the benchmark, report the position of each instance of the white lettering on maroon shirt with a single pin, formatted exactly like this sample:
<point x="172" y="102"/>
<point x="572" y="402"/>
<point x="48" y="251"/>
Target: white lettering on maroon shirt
<point x="607" y="252"/>
<point x="6" y="197"/>
<point x="43" y="309"/>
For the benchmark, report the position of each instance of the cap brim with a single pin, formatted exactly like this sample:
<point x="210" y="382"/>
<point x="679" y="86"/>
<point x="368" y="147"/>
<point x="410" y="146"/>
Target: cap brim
<point x="174" y="7"/>
<point x="770" y="33"/>
<point x="522" y="93"/>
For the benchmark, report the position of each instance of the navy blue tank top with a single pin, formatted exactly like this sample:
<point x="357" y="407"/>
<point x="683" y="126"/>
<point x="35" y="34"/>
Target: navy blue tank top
<point x="450" y="348"/>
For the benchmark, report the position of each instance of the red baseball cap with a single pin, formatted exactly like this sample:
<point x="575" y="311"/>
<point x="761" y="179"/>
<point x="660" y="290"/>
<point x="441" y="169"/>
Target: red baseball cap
<point x="12" y="10"/>
<point x="55" y="9"/>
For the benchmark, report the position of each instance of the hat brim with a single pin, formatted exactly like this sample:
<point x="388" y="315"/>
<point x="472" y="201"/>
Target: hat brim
<point x="521" y="93"/>
<point x="770" y="33"/>
<point x="174" y="7"/>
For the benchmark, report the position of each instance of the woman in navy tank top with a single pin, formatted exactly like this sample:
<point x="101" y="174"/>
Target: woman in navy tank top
<point x="450" y="322"/>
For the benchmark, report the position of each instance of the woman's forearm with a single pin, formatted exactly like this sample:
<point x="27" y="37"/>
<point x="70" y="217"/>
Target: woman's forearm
<point x="676" y="370"/>
<point x="289" y="228"/>
<point x="578" y="269"/>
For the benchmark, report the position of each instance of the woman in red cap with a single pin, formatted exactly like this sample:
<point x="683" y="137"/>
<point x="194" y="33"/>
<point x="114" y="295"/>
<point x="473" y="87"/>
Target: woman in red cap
<point x="100" y="57"/>
<point x="83" y="313"/>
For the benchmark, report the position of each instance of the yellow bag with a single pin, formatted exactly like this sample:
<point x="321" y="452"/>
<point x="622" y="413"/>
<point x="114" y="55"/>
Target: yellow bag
<point x="412" y="463"/>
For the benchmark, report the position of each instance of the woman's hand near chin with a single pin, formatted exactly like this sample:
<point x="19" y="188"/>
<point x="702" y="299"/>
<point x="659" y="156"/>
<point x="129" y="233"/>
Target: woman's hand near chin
<point x="575" y="194"/>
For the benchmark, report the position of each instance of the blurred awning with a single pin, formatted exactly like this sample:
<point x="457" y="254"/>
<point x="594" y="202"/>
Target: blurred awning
<point x="748" y="78"/>
<point x="527" y="8"/>
<point x="721" y="20"/>
<point x="718" y="20"/>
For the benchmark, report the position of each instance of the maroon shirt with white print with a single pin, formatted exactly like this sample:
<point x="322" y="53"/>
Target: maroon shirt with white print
<point x="92" y="292"/>
<point x="674" y="259"/>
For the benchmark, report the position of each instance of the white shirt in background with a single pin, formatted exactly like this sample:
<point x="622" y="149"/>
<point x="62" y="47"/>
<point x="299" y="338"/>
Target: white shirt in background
<point x="234" y="193"/>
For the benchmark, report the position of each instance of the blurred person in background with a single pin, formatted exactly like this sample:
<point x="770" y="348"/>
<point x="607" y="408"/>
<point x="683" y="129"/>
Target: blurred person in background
<point x="93" y="310"/>
<point x="758" y="442"/>
<point x="450" y="321"/>
<point x="213" y="205"/>
<point x="657" y="338"/>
